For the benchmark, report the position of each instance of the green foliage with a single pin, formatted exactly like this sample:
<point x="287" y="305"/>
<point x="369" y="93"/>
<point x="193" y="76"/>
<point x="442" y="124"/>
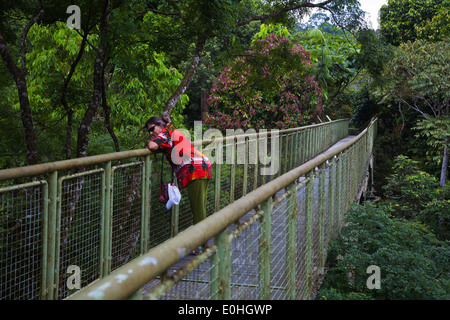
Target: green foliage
<point x="320" y="21"/>
<point x="335" y="294"/>
<point x="413" y="263"/>
<point x="345" y="65"/>
<point x="415" y="194"/>
<point x="418" y="78"/>
<point x="409" y="188"/>
<point x="373" y="55"/>
<point x="272" y="86"/>
<point x="333" y="57"/>
<point x="419" y="75"/>
<point x="400" y="20"/>
<point x="438" y="28"/>
<point x="437" y="135"/>
<point x="10" y="131"/>
<point x="139" y="83"/>
<point x="365" y="105"/>
<point x="267" y="29"/>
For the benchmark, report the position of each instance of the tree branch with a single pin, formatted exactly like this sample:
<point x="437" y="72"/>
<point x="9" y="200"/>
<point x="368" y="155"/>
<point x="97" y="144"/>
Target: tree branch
<point x="170" y="104"/>
<point x="19" y="76"/>
<point x="282" y="10"/>
<point x="63" y="97"/>
<point x="107" y="114"/>
<point x="23" y="37"/>
<point x="99" y="65"/>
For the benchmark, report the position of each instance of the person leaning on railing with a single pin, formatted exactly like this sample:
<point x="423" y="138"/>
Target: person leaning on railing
<point x="192" y="170"/>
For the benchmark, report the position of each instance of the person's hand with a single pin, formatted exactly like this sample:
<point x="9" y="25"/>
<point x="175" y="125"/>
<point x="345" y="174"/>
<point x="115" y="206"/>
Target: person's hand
<point x="166" y="120"/>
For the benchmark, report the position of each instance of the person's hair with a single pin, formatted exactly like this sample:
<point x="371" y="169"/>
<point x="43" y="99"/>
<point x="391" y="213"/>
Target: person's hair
<point x="157" y="121"/>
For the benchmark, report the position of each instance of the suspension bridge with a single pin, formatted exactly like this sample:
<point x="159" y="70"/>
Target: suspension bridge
<point x="93" y="228"/>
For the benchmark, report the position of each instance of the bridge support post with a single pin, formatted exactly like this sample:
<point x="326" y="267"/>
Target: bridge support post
<point x="175" y="219"/>
<point x="332" y="195"/>
<point x="338" y="192"/>
<point x="224" y="273"/>
<point x="291" y="242"/>
<point x="309" y="211"/>
<point x="146" y="196"/>
<point x="105" y="244"/>
<point x="321" y="262"/>
<point x="232" y="155"/>
<point x="217" y="187"/>
<point x="51" y="236"/>
<point x="246" y="160"/>
<point x="264" y="256"/>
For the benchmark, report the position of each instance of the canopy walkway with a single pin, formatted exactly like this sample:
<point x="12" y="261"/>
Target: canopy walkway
<point x="96" y="224"/>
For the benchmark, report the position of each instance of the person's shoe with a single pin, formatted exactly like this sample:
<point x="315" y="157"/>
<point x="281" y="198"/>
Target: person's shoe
<point x="197" y="251"/>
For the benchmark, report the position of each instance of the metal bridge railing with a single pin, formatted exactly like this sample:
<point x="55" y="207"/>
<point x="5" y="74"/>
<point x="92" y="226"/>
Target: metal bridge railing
<point x="269" y="244"/>
<point x="98" y="213"/>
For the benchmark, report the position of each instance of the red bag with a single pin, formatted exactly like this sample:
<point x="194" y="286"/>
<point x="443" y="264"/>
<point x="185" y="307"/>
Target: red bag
<point x="163" y="193"/>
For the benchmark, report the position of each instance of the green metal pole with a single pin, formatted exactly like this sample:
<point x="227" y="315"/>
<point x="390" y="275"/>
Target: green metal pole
<point x="107" y="226"/>
<point x="217" y="188"/>
<point x="292" y="153"/>
<point x="51" y="238"/>
<point x="286" y="153"/>
<point x="339" y="189"/>
<point x="146" y="196"/>
<point x="310" y="143"/>
<point x="301" y="147"/>
<point x="136" y="296"/>
<point x="309" y="234"/>
<point x="280" y="165"/>
<point x="224" y="272"/>
<point x="332" y="198"/>
<point x="58" y="237"/>
<point x="264" y="245"/>
<point x="233" y="170"/>
<point x="291" y="242"/>
<point x="322" y="218"/>
<point x="102" y="223"/>
<point x="246" y="161"/>
<point x="214" y="276"/>
<point x="175" y="212"/>
<point x="255" y="176"/>
<point x="45" y="228"/>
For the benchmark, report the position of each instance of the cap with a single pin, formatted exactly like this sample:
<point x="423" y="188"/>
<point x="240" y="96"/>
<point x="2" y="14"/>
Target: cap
<point x="174" y="196"/>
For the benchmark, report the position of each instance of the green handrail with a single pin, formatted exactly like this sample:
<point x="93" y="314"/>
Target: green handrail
<point x="98" y="220"/>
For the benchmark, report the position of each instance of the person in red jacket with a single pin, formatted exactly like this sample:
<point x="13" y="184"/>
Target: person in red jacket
<point x="191" y="168"/>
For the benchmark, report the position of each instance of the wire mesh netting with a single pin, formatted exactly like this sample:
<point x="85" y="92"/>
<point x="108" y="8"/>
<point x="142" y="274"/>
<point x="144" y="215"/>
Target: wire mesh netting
<point x="300" y="261"/>
<point x="245" y="257"/>
<point x="21" y="241"/>
<point x="114" y="215"/>
<point x="279" y="254"/>
<point x="126" y="213"/>
<point x="191" y="278"/>
<point x="80" y="208"/>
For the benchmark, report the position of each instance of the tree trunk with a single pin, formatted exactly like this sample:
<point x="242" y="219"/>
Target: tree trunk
<point x="204" y="107"/>
<point x="19" y="76"/>
<point x="83" y="133"/>
<point x="444" y="165"/>
<point x="27" y="120"/>
<point x="67" y="147"/>
<point x="170" y="104"/>
<point x="99" y="65"/>
<point x="107" y="115"/>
